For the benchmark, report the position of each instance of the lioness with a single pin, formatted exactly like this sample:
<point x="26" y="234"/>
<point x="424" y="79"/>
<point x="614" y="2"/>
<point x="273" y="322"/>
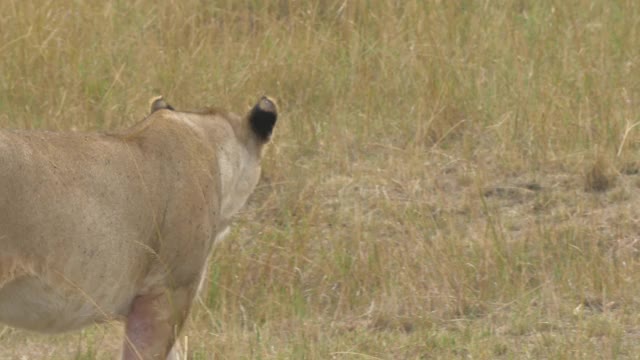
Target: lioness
<point x="95" y="227"/>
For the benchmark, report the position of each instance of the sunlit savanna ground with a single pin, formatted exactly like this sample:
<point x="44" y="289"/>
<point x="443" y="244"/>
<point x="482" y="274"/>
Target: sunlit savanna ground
<point x="448" y="179"/>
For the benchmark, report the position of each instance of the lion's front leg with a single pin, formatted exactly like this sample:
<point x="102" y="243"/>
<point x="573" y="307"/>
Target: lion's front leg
<point x="176" y="352"/>
<point x="154" y="322"/>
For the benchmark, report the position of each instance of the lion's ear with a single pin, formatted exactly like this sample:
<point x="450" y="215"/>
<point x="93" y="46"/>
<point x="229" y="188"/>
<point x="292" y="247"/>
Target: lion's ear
<point x="263" y="118"/>
<point x="158" y="103"/>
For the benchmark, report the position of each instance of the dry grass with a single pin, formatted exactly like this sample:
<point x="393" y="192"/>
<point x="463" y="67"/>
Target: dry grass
<point x="425" y="195"/>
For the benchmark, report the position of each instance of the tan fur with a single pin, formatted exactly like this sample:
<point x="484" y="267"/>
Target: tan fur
<point x="95" y="227"/>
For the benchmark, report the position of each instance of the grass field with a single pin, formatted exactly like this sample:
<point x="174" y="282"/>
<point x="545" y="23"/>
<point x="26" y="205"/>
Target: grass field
<point x="448" y="179"/>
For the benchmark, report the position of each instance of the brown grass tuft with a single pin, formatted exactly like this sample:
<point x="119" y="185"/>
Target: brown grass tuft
<point x="600" y="177"/>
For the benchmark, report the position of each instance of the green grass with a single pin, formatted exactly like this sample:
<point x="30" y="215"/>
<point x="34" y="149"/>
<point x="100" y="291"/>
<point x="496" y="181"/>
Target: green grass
<point x="429" y="192"/>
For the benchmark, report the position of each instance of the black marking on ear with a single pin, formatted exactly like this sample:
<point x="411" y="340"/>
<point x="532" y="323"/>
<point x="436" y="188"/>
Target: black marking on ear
<point x="158" y="103"/>
<point x="263" y="118"/>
